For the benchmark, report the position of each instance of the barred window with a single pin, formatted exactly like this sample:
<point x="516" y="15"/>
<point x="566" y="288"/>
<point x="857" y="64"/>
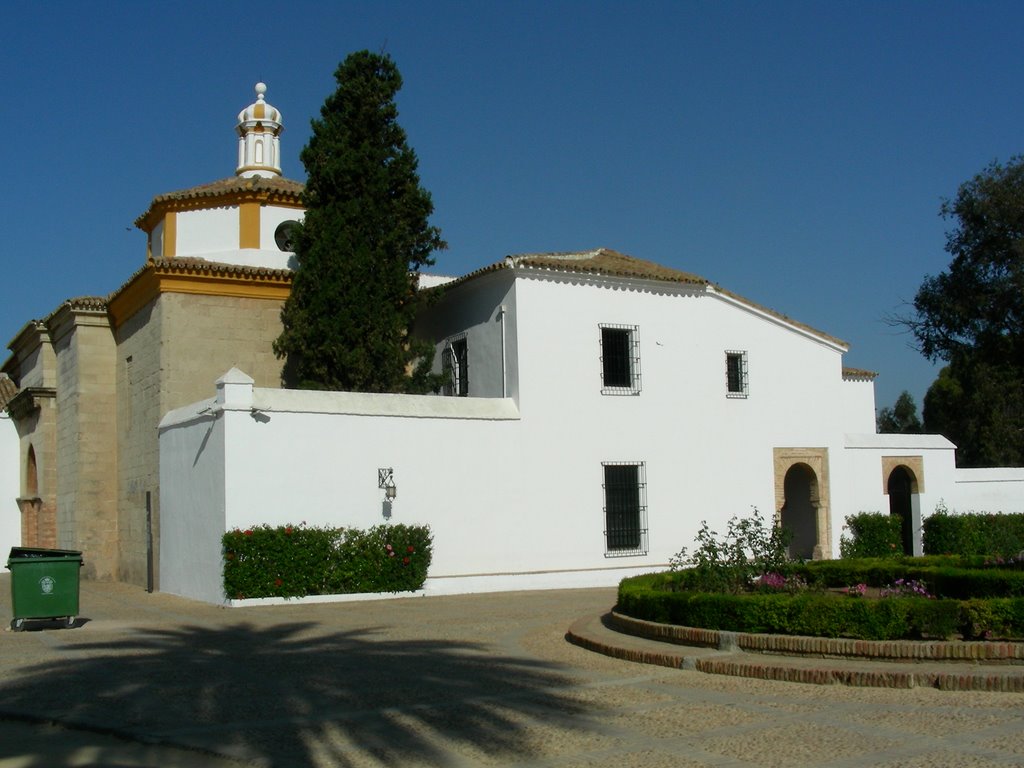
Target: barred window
<point x="620" y="359"/>
<point x="736" y="374"/>
<point x="455" y="364"/>
<point x="625" y="508"/>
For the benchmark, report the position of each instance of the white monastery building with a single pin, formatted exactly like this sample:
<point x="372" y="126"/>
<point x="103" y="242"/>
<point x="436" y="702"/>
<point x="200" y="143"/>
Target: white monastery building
<point x="598" y="408"/>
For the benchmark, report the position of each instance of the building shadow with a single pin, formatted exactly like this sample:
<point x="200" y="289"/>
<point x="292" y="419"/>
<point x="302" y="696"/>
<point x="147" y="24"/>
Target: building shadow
<point x="290" y="696"/>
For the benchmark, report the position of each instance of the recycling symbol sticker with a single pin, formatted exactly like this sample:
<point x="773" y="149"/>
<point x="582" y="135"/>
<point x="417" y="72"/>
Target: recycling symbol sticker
<point x="46" y="584"/>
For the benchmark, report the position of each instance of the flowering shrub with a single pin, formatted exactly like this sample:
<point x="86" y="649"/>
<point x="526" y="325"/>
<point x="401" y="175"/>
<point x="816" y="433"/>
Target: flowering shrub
<point x="730" y="563"/>
<point x="295" y="560"/>
<point x="776" y="582"/>
<point x="906" y="588"/>
<point x="858" y="590"/>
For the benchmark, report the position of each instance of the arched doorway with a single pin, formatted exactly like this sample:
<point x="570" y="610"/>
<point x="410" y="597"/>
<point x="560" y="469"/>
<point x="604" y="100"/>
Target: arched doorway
<point x="799" y="513"/>
<point x="900" y="487"/>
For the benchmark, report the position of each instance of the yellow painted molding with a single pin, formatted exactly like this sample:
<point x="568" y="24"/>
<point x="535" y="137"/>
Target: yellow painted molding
<point x="249" y="225"/>
<point x="170" y="249"/>
<point x="196" y="280"/>
<point x="141" y="290"/>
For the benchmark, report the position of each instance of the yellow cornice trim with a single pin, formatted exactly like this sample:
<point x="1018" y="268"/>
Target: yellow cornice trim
<point x="151" y="218"/>
<point x="249" y="225"/>
<point x="155" y="280"/>
<point x="127" y="302"/>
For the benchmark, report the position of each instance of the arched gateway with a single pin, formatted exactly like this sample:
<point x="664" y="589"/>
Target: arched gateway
<point x="802" y="500"/>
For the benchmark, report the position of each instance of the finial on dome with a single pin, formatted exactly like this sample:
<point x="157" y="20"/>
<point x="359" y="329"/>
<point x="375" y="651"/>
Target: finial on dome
<point x="259" y="128"/>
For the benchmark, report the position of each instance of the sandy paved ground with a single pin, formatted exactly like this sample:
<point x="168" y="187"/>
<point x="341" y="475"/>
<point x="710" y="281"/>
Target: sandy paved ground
<point x="450" y="681"/>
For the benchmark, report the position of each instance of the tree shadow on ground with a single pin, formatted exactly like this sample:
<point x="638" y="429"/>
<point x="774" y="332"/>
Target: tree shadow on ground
<point x="294" y="697"/>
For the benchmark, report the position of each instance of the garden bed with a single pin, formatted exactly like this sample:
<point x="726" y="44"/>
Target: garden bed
<point x="893" y="599"/>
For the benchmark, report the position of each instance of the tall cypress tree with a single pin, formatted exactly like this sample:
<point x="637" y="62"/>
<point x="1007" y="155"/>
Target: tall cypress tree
<point x="348" y="320"/>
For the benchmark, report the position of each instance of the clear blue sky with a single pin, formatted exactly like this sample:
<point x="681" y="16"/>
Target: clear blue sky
<point x="794" y="152"/>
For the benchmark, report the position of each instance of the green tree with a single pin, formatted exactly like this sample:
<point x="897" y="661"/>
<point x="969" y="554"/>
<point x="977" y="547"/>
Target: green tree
<point x="972" y="317"/>
<point x="347" y="324"/>
<point x="979" y="406"/>
<point x="901" y="418"/>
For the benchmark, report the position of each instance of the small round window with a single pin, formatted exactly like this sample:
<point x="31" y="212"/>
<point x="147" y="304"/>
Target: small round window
<point x="286" y="234"/>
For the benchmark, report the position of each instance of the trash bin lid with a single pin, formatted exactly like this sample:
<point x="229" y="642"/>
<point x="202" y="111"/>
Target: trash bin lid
<point x="21" y="554"/>
<point x="38" y="552"/>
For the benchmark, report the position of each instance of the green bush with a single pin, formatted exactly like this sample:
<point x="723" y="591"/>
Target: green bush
<point x="973" y="534"/>
<point x="731" y="563"/>
<point x="294" y="561"/>
<point x="975" y="596"/>
<point x="873" y="535"/>
<point x="814" y="614"/>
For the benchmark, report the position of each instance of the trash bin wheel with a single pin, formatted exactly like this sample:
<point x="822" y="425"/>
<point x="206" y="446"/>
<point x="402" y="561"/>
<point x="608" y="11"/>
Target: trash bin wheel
<point x="18" y="624"/>
<point x="70" y="621"/>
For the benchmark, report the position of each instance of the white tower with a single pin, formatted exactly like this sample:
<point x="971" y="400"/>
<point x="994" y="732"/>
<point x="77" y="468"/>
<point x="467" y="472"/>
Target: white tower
<point x="259" y="144"/>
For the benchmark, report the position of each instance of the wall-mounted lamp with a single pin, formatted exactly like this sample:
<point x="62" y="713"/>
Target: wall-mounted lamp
<point x="386" y="481"/>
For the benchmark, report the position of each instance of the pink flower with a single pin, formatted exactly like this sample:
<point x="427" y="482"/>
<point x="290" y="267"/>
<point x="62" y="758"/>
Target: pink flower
<point x="405" y="561"/>
<point x="410" y="550"/>
<point x="248" y="532"/>
<point x="388" y="547"/>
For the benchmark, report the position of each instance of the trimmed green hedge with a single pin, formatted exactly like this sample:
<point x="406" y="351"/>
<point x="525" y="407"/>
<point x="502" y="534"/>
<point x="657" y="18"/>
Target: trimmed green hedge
<point x="976" y="600"/>
<point x="945" y="576"/>
<point x="295" y="561"/>
<point x="872" y="534"/>
<point x="973" y="534"/>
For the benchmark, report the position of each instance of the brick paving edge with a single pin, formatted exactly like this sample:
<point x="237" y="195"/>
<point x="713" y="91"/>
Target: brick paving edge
<point x="763" y="666"/>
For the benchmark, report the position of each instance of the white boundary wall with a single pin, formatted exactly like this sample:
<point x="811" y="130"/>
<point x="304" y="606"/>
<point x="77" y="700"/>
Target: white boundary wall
<point x="10" y="487"/>
<point x="266" y="456"/>
<point x="508" y="508"/>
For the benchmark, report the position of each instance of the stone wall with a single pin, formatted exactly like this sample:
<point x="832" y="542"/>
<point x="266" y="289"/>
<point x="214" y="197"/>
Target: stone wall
<point x="167" y="354"/>
<point x="86" y="439"/>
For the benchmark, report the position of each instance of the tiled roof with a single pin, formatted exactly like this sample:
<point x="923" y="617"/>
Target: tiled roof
<point x="604" y="261"/>
<point x="277" y="188"/>
<point x="86" y="303"/>
<point x="7" y="390"/>
<point x="233" y="185"/>
<point x="785" y="318"/>
<point x="859" y="373"/>
<point x="190" y="266"/>
<point x="193" y="266"/>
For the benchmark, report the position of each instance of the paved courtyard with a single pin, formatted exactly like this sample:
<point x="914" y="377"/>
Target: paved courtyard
<point x="484" y="680"/>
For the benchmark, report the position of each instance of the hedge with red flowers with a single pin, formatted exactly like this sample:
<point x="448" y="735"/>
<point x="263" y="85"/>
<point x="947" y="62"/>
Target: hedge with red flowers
<point x="295" y="560"/>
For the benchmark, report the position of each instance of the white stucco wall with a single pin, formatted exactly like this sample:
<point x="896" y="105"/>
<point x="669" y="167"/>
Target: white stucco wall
<point x="213" y="234"/>
<point x="708" y="456"/>
<point x="513" y="487"/>
<point x="987" y="490"/>
<point x="207" y="230"/>
<point x="10" y="489"/>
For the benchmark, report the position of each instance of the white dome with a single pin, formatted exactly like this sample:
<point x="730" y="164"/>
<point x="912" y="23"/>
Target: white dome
<point x="258" y="111"/>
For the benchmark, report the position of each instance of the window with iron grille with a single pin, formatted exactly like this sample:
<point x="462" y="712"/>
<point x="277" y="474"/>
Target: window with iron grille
<point x="735" y="374"/>
<point x="625" y="508"/>
<point x="455" y="364"/>
<point x="620" y="359"/>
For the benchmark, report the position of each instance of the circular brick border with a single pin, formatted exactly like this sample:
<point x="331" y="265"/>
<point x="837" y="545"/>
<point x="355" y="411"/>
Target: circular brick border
<point x="822" y="647"/>
<point x="604" y="634"/>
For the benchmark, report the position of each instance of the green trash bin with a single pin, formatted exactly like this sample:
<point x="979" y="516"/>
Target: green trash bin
<point x="44" y="584"/>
